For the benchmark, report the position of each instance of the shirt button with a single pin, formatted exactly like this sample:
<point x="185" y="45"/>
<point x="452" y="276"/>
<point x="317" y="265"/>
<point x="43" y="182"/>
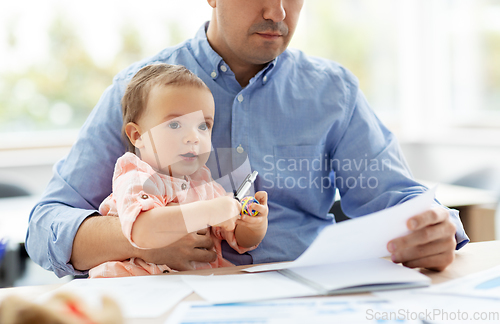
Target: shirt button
<point x="144" y="196"/>
<point x="223" y="68"/>
<point x="213" y="74"/>
<point x="240" y="149"/>
<point x="240" y="98"/>
<point x="264" y="79"/>
<point x="183" y="186"/>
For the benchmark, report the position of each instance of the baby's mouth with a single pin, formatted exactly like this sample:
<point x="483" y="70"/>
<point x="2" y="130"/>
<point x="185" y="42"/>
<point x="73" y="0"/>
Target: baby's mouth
<point x="190" y="156"/>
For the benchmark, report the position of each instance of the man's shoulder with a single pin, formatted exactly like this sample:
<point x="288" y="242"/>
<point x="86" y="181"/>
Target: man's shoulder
<point x="319" y="66"/>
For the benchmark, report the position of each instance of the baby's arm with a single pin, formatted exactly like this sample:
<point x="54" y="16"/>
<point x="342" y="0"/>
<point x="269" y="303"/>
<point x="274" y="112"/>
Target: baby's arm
<point x="250" y="230"/>
<point x="140" y="196"/>
<point x="162" y="226"/>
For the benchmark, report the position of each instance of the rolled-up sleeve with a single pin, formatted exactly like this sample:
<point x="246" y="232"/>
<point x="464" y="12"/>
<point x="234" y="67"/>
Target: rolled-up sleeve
<point x="80" y="182"/>
<point x="50" y="244"/>
<point x="136" y="188"/>
<point x="460" y="234"/>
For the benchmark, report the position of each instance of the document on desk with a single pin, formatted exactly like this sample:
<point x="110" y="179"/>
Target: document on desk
<point x="361" y="238"/>
<point x="345" y="258"/>
<point x="449" y="309"/>
<point x="357" y="276"/>
<point x="328" y="310"/>
<point x="349" y="277"/>
<point x="138" y="297"/>
<point x="247" y="287"/>
<point x="484" y="284"/>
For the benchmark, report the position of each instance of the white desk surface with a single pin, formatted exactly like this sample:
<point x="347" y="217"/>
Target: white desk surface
<point x="474" y="257"/>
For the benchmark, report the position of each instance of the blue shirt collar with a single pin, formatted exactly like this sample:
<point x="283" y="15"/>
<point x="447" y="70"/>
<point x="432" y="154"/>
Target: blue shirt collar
<point x="211" y="61"/>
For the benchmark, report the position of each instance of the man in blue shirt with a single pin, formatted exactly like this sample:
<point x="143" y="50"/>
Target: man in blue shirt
<point x="302" y="122"/>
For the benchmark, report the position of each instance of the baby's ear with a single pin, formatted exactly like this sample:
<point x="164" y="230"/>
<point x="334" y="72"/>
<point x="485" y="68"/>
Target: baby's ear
<point x="133" y="132"/>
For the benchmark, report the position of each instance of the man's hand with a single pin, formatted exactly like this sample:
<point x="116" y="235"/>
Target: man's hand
<point x="178" y="255"/>
<point x="100" y="239"/>
<point x="431" y="244"/>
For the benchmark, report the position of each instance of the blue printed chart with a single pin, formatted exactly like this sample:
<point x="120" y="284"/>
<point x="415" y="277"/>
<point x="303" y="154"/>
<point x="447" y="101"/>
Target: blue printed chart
<point x="485" y="284"/>
<point x="490" y="284"/>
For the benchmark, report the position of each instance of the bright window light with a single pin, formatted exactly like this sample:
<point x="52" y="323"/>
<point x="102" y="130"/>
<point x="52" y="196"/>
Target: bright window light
<point x="423" y="64"/>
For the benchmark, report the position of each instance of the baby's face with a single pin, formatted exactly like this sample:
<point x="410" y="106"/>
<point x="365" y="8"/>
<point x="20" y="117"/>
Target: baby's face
<point x="177" y="128"/>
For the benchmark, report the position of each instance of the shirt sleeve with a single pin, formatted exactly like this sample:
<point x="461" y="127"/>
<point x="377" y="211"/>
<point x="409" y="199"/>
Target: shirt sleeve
<point x="371" y="156"/>
<point x="136" y="188"/>
<point x="79" y="184"/>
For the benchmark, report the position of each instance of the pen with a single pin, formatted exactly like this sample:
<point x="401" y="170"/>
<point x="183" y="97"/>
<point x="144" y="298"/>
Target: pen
<point x="245" y="185"/>
<point x="3" y="248"/>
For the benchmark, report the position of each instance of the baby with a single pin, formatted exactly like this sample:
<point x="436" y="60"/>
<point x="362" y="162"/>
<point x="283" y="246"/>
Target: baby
<point x="166" y="190"/>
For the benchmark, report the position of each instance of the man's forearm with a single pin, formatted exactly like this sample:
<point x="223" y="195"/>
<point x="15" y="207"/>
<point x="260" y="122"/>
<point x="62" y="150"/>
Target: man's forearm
<point x="100" y="239"/>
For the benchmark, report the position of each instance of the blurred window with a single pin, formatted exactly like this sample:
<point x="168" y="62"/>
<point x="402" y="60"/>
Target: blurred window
<point x="423" y="64"/>
<point x="429" y="68"/>
<point x="57" y="58"/>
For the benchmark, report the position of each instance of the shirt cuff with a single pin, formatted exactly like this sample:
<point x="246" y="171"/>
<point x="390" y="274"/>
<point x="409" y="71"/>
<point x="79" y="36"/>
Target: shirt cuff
<point x="460" y="235"/>
<point x="60" y="245"/>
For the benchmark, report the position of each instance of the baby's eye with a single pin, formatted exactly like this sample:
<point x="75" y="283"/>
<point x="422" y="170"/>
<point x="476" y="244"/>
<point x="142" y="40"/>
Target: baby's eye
<point x="174" y="125"/>
<point x="204" y="126"/>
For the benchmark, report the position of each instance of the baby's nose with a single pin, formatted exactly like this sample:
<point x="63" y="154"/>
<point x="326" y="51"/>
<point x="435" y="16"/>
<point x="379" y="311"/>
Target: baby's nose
<point x="191" y="137"/>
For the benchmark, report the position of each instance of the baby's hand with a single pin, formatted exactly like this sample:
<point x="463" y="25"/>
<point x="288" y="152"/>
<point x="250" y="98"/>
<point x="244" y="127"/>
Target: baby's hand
<point x="260" y="220"/>
<point x="224" y="212"/>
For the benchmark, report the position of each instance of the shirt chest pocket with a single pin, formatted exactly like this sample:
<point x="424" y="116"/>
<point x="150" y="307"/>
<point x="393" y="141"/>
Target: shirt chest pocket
<point x="300" y="173"/>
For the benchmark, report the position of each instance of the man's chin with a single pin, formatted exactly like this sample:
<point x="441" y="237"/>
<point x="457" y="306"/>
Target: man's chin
<point x="265" y="53"/>
<point x="265" y="59"/>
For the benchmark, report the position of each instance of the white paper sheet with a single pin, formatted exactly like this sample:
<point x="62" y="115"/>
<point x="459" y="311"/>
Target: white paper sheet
<point x="246" y="287"/>
<point x="449" y="309"/>
<point x="484" y="284"/>
<point x="138" y="297"/>
<point x="290" y="311"/>
<point x="358" y="273"/>
<point x="360" y="238"/>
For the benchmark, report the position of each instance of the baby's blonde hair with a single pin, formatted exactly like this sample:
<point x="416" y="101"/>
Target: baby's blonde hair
<point x="135" y="99"/>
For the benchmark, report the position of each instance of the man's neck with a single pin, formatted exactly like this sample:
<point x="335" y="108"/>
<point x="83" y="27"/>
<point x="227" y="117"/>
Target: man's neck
<point x="243" y="71"/>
